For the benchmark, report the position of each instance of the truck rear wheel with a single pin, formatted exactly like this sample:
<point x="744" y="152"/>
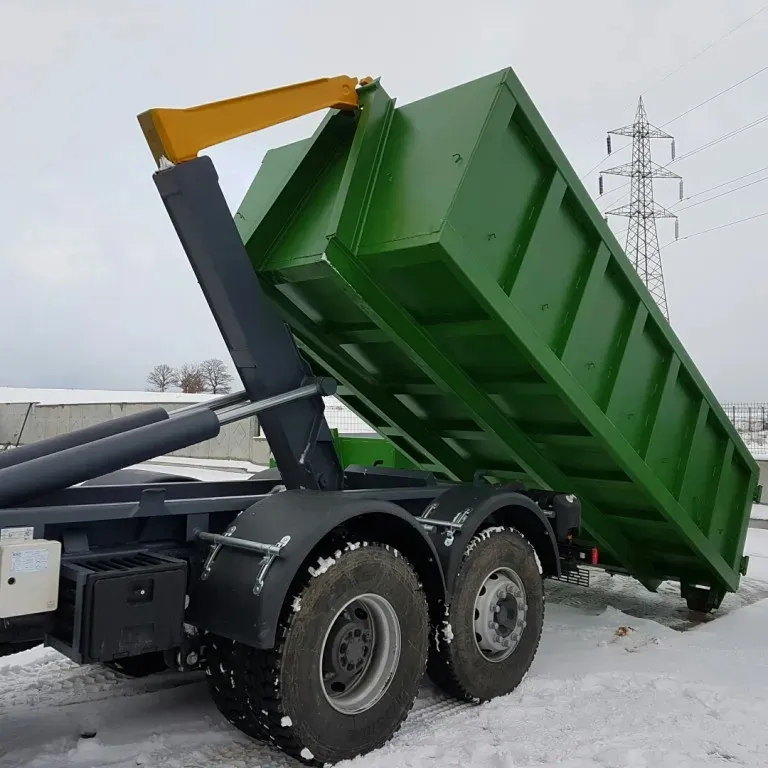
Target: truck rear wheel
<point x="494" y="622"/>
<point x="350" y="655"/>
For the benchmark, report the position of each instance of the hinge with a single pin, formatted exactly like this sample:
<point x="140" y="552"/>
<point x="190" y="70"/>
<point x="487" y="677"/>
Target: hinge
<point x="743" y="565"/>
<point x="758" y="494"/>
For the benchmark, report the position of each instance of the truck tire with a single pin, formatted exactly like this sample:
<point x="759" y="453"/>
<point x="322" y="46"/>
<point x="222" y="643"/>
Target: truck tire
<point x="494" y="621"/>
<point x="701" y="599"/>
<point x="350" y="655"/>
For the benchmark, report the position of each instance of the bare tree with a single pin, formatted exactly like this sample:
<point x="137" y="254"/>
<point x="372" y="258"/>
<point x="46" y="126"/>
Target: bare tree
<point x="216" y="376"/>
<point x="162" y="377"/>
<point x="191" y="378"/>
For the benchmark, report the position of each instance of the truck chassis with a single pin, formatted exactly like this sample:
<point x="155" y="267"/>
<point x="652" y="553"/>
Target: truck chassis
<point x="313" y="596"/>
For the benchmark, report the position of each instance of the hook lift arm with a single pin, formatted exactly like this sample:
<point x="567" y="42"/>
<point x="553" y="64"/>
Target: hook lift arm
<point x="262" y="346"/>
<point x="177" y="135"/>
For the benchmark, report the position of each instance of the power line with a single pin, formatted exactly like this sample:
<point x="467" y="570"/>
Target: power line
<point x="716" y="96"/>
<point x="721" y="226"/>
<point x="602" y="160"/>
<point x="707" y="48"/>
<point x="722" y="194"/>
<point x="722" y="184"/>
<point x="722" y="138"/>
<point x="619" y="198"/>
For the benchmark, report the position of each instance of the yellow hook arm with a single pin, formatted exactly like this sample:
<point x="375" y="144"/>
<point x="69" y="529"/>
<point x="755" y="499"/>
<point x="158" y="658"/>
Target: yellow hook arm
<point x="177" y="135"/>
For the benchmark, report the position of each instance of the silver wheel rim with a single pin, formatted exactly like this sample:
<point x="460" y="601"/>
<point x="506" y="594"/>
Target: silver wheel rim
<point x="360" y="654"/>
<point x="500" y="614"/>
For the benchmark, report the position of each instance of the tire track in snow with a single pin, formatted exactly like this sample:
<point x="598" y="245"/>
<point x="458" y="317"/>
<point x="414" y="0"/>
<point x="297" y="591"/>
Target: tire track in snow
<point x="58" y="682"/>
<point x="230" y="748"/>
<point x="49" y="699"/>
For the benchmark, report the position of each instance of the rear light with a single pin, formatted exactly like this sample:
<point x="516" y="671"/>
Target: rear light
<point x="595" y="556"/>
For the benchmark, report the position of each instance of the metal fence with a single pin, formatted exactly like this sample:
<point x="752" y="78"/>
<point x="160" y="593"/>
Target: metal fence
<point x="751" y="422"/>
<point x="340" y="417"/>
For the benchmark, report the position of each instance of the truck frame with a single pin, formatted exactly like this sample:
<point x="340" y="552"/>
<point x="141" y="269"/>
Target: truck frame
<point x="314" y="595"/>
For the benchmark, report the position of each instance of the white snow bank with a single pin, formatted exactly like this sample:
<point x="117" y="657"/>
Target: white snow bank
<point x="201" y="469"/>
<point x="90" y="396"/>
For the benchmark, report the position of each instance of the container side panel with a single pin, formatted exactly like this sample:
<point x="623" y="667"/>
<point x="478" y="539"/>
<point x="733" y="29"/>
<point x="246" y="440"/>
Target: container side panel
<point x="600" y="328"/>
<point x="427" y="152"/>
<point x="277" y="168"/>
<point x="493" y="208"/>
<point x="553" y="269"/>
<point x="637" y="382"/>
<point x="672" y="431"/>
<point x="732" y="542"/>
<point x="729" y="496"/>
<point x="699" y="487"/>
<point x="290" y="176"/>
<point x="308" y="236"/>
<point x="429" y="292"/>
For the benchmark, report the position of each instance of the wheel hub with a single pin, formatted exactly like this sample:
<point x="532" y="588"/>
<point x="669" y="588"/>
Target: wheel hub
<point x="500" y="614"/>
<point x="350" y="648"/>
<point x="360" y="654"/>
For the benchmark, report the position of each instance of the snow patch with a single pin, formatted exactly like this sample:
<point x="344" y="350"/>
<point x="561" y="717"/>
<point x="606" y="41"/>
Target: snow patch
<point x="323" y="564"/>
<point x="296" y="604"/>
<point x="306" y="754"/>
<point x="286" y="722"/>
<point x="482" y="535"/>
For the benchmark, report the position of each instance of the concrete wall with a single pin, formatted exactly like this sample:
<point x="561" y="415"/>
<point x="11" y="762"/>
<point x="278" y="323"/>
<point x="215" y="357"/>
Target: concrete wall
<point x="13" y="417"/>
<point x="22" y="423"/>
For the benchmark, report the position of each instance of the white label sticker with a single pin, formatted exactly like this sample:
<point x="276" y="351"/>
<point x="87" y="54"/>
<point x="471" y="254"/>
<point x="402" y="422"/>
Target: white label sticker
<point x="16" y="535"/>
<point x="29" y="561"/>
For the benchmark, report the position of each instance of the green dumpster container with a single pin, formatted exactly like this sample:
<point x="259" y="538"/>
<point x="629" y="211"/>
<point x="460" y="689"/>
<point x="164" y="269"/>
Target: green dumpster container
<point x="444" y="263"/>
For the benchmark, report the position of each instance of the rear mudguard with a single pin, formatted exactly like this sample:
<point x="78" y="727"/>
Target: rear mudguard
<point x="238" y="598"/>
<point x="471" y="506"/>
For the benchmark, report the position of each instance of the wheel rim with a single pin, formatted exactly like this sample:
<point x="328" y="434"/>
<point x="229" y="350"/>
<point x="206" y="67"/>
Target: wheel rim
<point x="500" y="614"/>
<point x="360" y="654"/>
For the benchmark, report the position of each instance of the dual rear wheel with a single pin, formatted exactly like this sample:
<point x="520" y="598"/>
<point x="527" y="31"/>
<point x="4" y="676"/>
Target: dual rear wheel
<point x="354" y="643"/>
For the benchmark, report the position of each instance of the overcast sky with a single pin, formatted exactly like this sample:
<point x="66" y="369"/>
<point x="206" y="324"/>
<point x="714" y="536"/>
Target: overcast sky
<point x="94" y="285"/>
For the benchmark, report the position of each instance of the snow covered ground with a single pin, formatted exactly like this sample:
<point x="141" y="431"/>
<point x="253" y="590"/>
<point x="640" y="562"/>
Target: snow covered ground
<point x="623" y="679"/>
<point x="202" y="469"/>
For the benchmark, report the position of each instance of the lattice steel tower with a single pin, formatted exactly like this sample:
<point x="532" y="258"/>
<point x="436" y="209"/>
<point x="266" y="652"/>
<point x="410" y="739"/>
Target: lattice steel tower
<point x="642" y="246"/>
